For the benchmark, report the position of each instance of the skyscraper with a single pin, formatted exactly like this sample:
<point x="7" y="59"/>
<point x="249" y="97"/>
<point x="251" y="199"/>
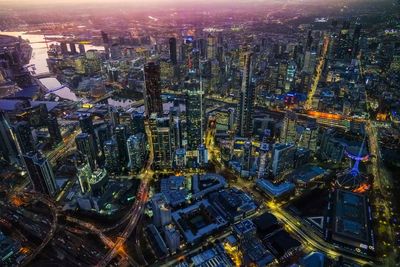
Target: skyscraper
<point x="160" y="132"/>
<point x="246" y="157"/>
<point x="137" y="123"/>
<point x="120" y="137"/>
<point x="111" y="156"/>
<point x="54" y="129"/>
<point x="72" y="48"/>
<point x="152" y="92"/>
<point x="172" y="237"/>
<point x="8" y="147"/>
<point x="85" y="145"/>
<point x="161" y="210"/>
<point x="86" y="124"/>
<point x="136" y="151"/>
<point x="172" y="50"/>
<point x="246" y="103"/>
<point x="211" y="47"/>
<point x="40" y="173"/>
<point x="288" y="132"/>
<point x="283" y="158"/>
<point x="194" y="114"/>
<point x="24" y="136"/>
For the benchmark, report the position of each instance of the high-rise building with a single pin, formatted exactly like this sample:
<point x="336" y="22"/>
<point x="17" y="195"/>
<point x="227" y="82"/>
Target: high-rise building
<point x="111" y="156"/>
<point x="264" y="149"/>
<point x="40" y="173"/>
<point x="211" y="47"/>
<point x="283" y="156"/>
<point x="115" y="51"/>
<point x="82" y="50"/>
<point x="86" y="124"/>
<point x="161" y="210"/>
<point x="64" y="48"/>
<point x="72" y="48"/>
<point x="176" y="128"/>
<point x="172" y="237"/>
<point x="24" y="136"/>
<point x="202" y="158"/>
<point x="246" y="157"/>
<point x="288" y="133"/>
<point x="137" y="123"/>
<point x="85" y="145"/>
<point x="246" y="103"/>
<point x="84" y="175"/>
<point x="152" y="92"/>
<point x="308" y="135"/>
<point x="194" y="114"/>
<point x="54" y="129"/>
<point x="172" y="50"/>
<point x="8" y="148"/>
<point x="120" y="136"/>
<point x="103" y="133"/>
<point x="136" y="151"/>
<point x="161" y="135"/>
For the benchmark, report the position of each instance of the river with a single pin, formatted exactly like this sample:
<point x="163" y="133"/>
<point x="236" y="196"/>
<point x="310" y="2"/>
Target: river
<point x="39" y="56"/>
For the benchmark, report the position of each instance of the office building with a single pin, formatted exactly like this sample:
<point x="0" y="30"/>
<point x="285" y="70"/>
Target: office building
<point x="246" y="161"/>
<point x="8" y="147"/>
<point x="283" y="156"/>
<point x="161" y="210"/>
<point x="40" y="173"/>
<point x="246" y="103"/>
<point x="111" y="156"/>
<point x="137" y="123"/>
<point x="172" y="238"/>
<point x="152" y="92"/>
<point x="161" y="135"/>
<point x="24" y="136"/>
<point x="136" y="145"/>
<point x="172" y="50"/>
<point x="72" y="48"/>
<point x="84" y="174"/>
<point x="288" y="132"/>
<point x="85" y="145"/>
<point x="194" y="114"/>
<point x="86" y="124"/>
<point x="202" y="158"/>
<point x="54" y="129"/>
<point x="211" y="47"/>
<point x="120" y="133"/>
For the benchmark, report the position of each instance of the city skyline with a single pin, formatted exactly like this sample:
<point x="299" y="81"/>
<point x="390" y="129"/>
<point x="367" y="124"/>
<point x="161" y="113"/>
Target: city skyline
<point x="190" y="134"/>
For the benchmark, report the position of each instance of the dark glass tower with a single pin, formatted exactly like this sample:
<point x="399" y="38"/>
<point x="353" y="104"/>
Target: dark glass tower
<point x="23" y="133"/>
<point x="120" y="137"/>
<point x="172" y="50"/>
<point x="85" y="144"/>
<point x="8" y="148"/>
<point x="40" y="173"/>
<point x="152" y="96"/>
<point x="194" y="114"/>
<point x="54" y="129"/>
<point x="246" y="103"/>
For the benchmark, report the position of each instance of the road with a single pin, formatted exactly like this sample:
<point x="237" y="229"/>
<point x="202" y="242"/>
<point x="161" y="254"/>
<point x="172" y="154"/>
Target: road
<point x="381" y="186"/>
<point x="311" y="240"/>
<point x="307" y="235"/>
<point x="318" y="71"/>
<point x="138" y="206"/>
<point x="52" y="231"/>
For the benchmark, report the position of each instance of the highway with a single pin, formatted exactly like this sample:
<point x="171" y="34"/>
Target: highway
<point x="52" y="231"/>
<point x="138" y="206"/>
